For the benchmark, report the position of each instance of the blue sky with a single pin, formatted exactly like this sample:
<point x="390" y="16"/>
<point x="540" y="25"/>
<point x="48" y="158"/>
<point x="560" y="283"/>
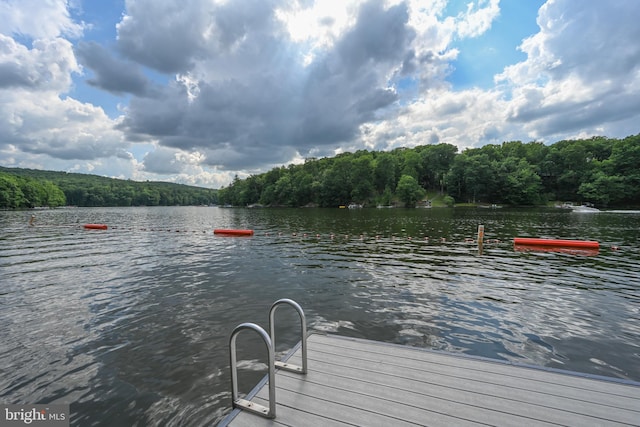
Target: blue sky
<point x="482" y="57"/>
<point x="197" y="92"/>
<point x="103" y="16"/>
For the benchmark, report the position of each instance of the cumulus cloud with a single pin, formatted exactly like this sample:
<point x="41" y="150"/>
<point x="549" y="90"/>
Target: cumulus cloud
<point x="439" y="117"/>
<point x="169" y="161"/>
<point x="37" y="19"/>
<point x="164" y="35"/>
<point x="46" y="66"/>
<point x="44" y="124"/>
<point x="39" y="125"/>
<point x="111" y="74"/>
<point x="256" y="98"/>
<point x="582" y="70"/>
<point x="476" y="19"/>
<point x="211" y="88"/>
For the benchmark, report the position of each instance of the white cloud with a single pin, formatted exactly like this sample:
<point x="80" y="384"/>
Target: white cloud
<point x="163" y="160"/>
<point x="38" y="19"/>
<point x="477" y="19"/>
<point x="581" y="72"/>
<point x="439" y="117"/>
<point x="39" y="126"/>
<point x="43" y="123"/>
<point x="214" y="88"/>
<point x="317" y="26"/>
<point x="47" y="66"/>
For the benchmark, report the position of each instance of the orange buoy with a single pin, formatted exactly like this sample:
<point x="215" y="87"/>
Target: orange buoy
<point x="233" y="232"/>
<point x="96" y="226"/>
<point x="527" y="241"/>
<point x="560" y="249"/>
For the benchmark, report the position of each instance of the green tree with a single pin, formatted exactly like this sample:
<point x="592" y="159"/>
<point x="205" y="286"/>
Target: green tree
<point x="384" y="172"/>
<point x="437" y="161"/>
<point x="11" y="195"/>
<point x="603" y="189"/>
<point x="362" y="178"/>
<point x="473" y="177"/>
<point x="303" y="188"/>
<point x="521" y="184"/>
<point x="336" y="183"/>
<point x="24" y="192"/>
<point x="54" y="195"/>
<point x="409" y="191"/>
<point x="386" y="198"/>
<point x="624" y="161"/>
<point x="411" y="164"/>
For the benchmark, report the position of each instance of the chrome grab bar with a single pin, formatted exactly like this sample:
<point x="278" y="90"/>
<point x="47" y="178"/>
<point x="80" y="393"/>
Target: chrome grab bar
<point x="255" y="408"/>
<point x="269" y="340"/>
<point x="303" y="332"/>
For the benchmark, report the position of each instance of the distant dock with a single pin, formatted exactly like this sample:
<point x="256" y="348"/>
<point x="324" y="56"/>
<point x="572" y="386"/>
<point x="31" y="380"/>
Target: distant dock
<point x="367" y="383"/>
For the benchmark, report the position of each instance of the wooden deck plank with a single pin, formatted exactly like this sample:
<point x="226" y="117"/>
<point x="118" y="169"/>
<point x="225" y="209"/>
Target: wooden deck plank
<point x="401" y="404"/>
<point x="287" y="416"/>
<point x="359" y="382"/>
<point x="518" y="380"/>
<point x="462" y="361"/>
<point x="351" y="407"/>
<point x="459" y="398"/>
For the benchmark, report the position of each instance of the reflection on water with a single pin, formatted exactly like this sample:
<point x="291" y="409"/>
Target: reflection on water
<point x="130" y="325"/>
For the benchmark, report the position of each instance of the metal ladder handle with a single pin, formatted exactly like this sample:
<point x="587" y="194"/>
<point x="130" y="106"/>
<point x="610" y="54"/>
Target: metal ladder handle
<point x="303" y="332"/>
<point x="243" y="403"/>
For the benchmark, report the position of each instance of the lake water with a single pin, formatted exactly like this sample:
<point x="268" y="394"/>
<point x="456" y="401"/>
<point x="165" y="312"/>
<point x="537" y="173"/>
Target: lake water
<point x="130" y="325"/>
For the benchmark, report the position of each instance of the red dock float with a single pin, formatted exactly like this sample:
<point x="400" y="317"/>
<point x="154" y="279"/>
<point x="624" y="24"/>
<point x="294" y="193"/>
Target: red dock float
<point x="233" y="232"/>
<point x="557" y="249"/>
<point x="96" y="226"/>
<point x="585" y="244"/>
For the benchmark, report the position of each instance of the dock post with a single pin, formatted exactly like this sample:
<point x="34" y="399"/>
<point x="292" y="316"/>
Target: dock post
<point x="480" y="238"/>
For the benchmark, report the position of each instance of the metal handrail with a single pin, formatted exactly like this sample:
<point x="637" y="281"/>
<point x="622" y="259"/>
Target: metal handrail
<point x="303" y="332"/>
<point x="255" y="408"/>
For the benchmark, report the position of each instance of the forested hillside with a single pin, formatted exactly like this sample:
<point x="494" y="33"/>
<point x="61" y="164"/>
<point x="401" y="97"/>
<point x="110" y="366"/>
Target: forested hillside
<point x="602" y="171"/>
<point x="27" y="188"/>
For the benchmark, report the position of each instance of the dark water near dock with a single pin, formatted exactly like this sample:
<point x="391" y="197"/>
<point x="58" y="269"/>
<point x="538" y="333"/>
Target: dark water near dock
<point x="131" y="325"/>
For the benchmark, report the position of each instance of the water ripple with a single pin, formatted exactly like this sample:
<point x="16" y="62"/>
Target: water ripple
<point x="130" y="325"/>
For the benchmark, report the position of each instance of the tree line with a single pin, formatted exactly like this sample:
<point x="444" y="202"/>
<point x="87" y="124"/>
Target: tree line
<point x="599" y="170"/>
<point x="28" y="188"/>
<point x="21" y="192"/>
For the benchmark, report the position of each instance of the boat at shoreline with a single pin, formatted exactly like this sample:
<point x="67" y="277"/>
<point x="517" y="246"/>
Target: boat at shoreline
<point x="584" y="209"/>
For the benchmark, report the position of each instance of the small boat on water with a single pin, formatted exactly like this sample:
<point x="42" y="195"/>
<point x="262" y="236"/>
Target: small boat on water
<point x="584" y="209"/>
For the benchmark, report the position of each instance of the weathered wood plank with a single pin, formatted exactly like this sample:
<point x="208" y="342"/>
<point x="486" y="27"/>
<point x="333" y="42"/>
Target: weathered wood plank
<point x="359" y="382"/>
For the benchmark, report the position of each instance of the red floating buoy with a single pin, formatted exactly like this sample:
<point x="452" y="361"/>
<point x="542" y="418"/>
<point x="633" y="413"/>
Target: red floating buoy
<point x="556" y="242"/>
<point x="96" y="226"/>
<point x="232" y="232"/>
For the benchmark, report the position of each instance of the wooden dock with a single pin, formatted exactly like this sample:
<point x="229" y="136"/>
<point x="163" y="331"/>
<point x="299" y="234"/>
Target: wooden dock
<point x="366" y="383"/>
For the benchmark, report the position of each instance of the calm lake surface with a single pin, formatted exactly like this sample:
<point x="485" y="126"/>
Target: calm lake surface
<point x="130" y="325"/>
